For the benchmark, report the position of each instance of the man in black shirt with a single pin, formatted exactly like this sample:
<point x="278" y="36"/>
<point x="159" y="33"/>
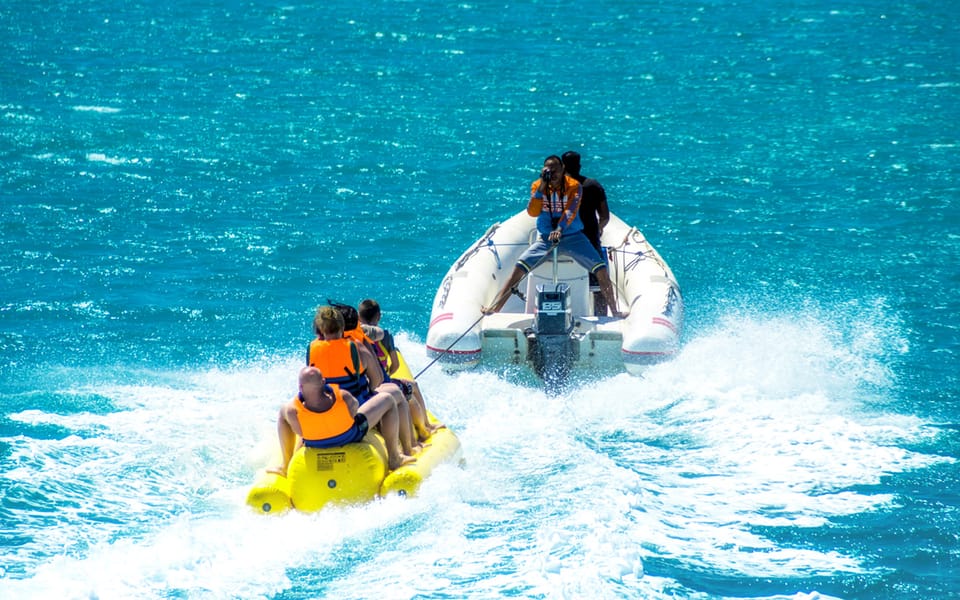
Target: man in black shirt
<point x="594" y="214"/>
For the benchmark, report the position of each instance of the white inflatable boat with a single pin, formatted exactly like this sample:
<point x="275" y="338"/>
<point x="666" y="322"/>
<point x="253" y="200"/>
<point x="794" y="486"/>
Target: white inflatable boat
<point x="555" y="322"/>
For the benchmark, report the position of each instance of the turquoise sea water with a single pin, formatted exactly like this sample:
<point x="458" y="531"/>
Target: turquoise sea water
<point x="183" y="183"/>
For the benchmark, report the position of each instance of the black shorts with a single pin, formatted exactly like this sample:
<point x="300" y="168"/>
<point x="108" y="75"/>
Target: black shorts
<point x="405" y="386"/>
<point x="360" y="422"/>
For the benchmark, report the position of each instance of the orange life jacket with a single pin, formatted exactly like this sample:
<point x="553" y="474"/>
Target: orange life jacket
<point x="358" y="335"/>
<point x="327" y="425"/>
<point x="339" y="361"/>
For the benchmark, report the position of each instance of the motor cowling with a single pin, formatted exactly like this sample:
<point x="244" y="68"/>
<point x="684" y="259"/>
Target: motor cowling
<point x="554" y="316"/>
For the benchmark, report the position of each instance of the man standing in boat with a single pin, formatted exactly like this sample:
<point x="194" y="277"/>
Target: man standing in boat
<point x="555" y="202"/>
<point x="594" y="214"/>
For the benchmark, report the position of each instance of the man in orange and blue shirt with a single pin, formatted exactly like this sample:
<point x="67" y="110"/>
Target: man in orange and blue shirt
<point x="555" y="202"/>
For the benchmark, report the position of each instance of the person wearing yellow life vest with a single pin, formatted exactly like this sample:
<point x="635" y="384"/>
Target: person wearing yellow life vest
<point x="326" y="416"/>
<point x="355" y="369"/>
<point x="386" y="352"/>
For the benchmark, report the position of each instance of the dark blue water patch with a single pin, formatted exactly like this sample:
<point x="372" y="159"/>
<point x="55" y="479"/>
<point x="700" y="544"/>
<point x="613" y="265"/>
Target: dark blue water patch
<point x="32" y="510"/>
<point x="714" y="583"/>
<point x="53" y="402"/>
<point x="945" y="426"/>
<point x="10" y="429"/>
<point x="26" y="499"/>
<point x="911" y="545"/>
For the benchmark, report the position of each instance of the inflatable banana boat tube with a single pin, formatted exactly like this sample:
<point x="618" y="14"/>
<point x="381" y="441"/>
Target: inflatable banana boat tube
<point x="349" y="474"/>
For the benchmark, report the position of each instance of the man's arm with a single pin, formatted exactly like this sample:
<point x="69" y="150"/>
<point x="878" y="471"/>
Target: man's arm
<point x="372" y="366"/>
<point x="288" y="429"/>
<point x="535" y="205"/>
<point x="572" y="209"/>
<point x="394" y="361"/>
<point x="603" y="211"/>
<point x="372" y="331"/>
<point x="352" y="405"/>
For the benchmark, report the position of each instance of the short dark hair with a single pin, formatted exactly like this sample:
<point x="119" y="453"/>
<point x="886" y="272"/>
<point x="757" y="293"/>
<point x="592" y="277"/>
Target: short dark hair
<point x="350" y="317"/>
<point x="369" y="309"/>
<point x="571" y="161"/>
<point x="553" y="157"/>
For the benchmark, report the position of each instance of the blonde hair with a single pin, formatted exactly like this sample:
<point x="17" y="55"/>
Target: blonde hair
<point x="328" y="321"/>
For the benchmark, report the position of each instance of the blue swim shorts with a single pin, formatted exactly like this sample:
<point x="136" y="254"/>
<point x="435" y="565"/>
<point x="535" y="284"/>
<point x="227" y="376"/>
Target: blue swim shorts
<point x="575" y="245"/>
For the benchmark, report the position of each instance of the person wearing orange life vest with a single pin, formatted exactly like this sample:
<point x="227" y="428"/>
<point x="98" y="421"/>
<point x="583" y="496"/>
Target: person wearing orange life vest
<point x="326" y="416"/>
<point x="386" y="352"/>
<point x="365" y="337"/>
<point x="354" y="368"/>
<point x="555" y="202"/>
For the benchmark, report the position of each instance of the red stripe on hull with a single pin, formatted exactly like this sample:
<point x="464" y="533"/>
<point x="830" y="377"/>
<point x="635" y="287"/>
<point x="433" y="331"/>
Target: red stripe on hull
<point x="632" y="353"/>
<point x="442" y="351"/>
<point x="443" y="317"/>
<point x="665" y="323"/>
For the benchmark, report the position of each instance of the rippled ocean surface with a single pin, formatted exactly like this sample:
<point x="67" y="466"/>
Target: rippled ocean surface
<point x="183" y="183"/>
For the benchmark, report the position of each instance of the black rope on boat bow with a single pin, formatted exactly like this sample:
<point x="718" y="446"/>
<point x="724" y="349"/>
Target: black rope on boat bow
<point x="488" y="243"/>
<point x="437" y="357"/>
<point x="637" y="257"/>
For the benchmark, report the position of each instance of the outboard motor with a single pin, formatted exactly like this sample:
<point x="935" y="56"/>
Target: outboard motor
<point x="552" y="348"/>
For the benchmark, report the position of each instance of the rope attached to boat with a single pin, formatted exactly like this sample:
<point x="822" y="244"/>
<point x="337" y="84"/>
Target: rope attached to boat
<point x="638" y="255"/>
<point x="437" y="357"/>
<point x="484" y="242"/>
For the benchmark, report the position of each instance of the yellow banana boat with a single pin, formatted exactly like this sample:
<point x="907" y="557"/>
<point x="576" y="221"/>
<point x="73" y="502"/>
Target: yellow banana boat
<point x="349" y="474"/>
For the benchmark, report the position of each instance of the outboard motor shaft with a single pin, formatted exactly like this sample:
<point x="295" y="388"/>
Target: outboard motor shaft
<point x="552" y="348"/>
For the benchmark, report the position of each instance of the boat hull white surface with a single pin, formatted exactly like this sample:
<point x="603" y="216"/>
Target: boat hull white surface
<point x="461" y="337"/>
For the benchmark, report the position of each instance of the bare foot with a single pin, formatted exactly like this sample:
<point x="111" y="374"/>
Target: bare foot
<point x="400" y="460"/>
<point x="487" y="310"/>
<point x="425" y="431"/>
<point x="432" y="428"/>
<point x="281" y="471"/>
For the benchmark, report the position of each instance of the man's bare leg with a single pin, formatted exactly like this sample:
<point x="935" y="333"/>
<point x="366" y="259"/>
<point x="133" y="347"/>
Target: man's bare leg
<point x="606" y="288"/>
<point x="381" y="410"/>
<point x="418" y="414"/>
<point x="288" y="439"/>
<point x="504" y="294"/>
